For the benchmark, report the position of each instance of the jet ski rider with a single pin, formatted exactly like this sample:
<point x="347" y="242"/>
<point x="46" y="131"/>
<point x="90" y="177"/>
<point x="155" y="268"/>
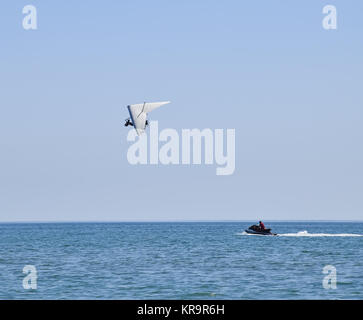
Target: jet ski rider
<point x="262" y="226"/>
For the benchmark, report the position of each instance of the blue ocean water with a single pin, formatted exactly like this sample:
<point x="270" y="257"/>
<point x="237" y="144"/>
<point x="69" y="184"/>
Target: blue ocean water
<point x="181" y="260"/>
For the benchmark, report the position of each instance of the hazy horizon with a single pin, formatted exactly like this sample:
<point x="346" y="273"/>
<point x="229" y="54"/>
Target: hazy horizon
<point x="176" y="221"/>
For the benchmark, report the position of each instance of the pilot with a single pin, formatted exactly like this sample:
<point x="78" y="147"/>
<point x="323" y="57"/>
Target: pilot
<point x="128" y="123"/>
<point x="262" y="226"/>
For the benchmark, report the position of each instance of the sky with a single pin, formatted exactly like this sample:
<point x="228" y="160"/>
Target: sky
<point x="268" y="69"/>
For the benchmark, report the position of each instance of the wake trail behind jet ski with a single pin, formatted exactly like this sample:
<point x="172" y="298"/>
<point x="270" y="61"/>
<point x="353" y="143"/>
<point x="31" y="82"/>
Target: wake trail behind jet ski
<point x="305" y="234"/>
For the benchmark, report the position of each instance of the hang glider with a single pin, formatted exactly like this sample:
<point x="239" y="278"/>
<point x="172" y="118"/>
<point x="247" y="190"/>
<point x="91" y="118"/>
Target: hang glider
<point x="138" y="114"/>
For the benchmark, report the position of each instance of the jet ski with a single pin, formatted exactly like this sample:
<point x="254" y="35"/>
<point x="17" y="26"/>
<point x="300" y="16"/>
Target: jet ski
<point x="257" y="230"/>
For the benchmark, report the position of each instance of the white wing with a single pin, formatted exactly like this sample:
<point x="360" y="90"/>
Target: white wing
<point x="154" y="105"/>
<point x="138" y="113"/>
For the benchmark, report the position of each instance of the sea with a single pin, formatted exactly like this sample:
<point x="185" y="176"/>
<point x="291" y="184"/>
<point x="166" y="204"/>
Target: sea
<point x="181" y="260"/>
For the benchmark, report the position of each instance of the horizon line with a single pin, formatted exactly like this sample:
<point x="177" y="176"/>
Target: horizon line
<point x="173" y="221"/>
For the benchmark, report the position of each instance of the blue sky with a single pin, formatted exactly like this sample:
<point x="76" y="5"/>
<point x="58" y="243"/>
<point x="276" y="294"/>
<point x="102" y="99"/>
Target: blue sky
<point x="292" y="90"/>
